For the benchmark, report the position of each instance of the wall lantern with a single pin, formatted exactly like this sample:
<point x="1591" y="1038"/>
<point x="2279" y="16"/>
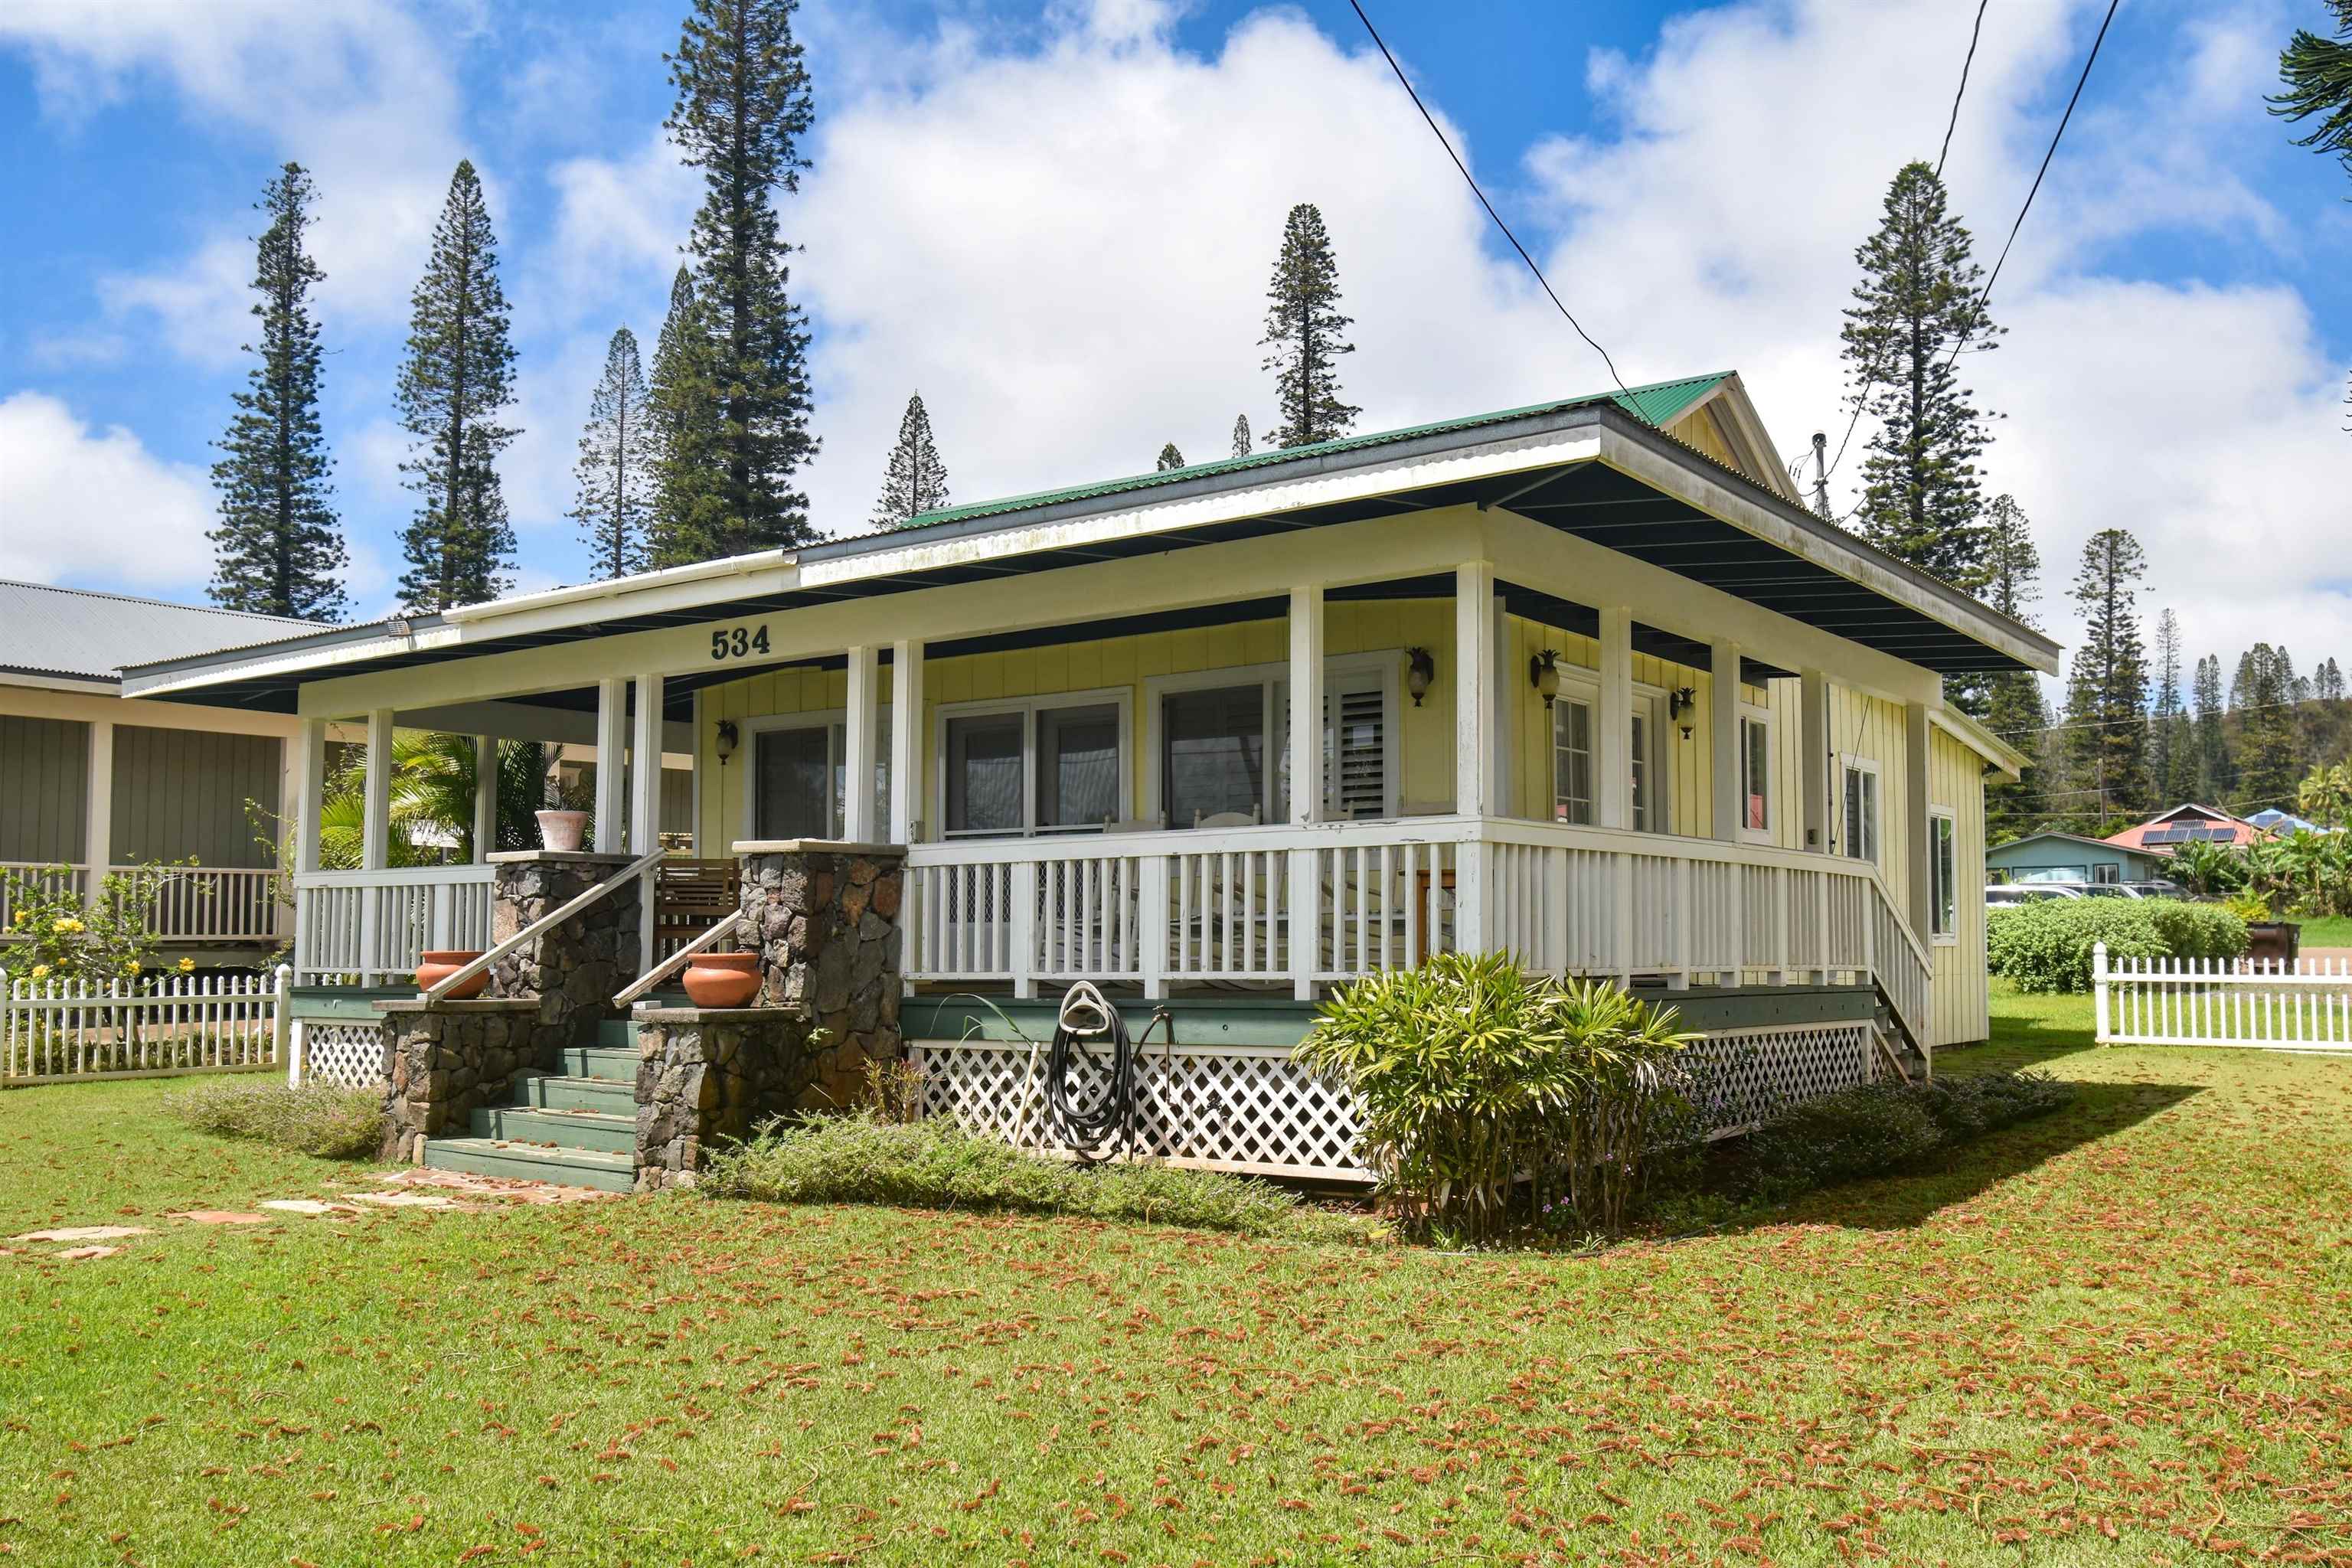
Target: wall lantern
<point x="726" y="741"/>
<point x="1420" y="669"/>
<point x="1679" y="706"/>
<point x="1543" y="674"/>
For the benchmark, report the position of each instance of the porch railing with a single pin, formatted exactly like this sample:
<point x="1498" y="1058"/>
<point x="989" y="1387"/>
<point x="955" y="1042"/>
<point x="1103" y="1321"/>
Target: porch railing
<point x="367" y="928"/>
<point x="1311" y="905"/>
<point x="199" y="903"/>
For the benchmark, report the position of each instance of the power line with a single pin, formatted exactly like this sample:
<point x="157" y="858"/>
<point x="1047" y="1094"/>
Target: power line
<point x="2052" y="151"/>
<point x="1491" y="212"/>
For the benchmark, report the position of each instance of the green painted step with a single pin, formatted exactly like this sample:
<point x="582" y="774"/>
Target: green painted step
<point x="563" y="1091"/>
<point x="571" y="1168"/>
<point x="567" y="1128"/>
<point x="619" y="1034"/>
<point x="616" y="1062"/>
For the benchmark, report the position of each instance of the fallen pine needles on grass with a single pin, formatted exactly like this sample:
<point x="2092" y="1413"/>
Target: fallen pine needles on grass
<point x="323" y="1119"/>
<point x="1882" y="1127"/>
<point x="937" y="1164"/>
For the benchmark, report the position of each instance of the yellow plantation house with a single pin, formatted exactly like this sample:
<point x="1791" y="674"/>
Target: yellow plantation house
<point x="1592" y="687"/>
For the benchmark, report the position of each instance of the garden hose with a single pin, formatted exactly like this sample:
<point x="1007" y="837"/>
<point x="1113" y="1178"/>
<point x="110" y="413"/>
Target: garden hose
<point x="1109" y="1123"/>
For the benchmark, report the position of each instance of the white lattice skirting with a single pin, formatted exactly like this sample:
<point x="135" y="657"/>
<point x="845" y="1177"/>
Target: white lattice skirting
<point x="347" y="1054"/>
<point x="1244" y="1108"/>
<point x="1251" y="1109"/>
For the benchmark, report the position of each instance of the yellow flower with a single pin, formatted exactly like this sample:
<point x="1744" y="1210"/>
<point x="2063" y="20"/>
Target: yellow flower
<point x="66" y="927"/>
<point x="40" y="972"/>
<point x="187" y="966"/>
<point x="131" y="967"/>
<point x="23" y="915"/>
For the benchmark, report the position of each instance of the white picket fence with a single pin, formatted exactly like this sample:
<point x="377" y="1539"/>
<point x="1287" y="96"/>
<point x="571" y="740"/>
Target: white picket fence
<point x="2257" y="1002"/>
<point x="54" y="1030"/>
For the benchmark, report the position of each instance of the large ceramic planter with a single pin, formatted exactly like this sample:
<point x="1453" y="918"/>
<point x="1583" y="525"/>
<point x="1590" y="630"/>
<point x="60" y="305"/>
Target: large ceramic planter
<point x="438" y="964"/>
<point x="561" y="829"/>
<point x="722" y="979"/>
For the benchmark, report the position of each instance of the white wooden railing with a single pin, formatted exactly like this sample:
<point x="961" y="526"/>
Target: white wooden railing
<point x="367" y="928"/>
<point x="1311" y="905"/>
<point x="197" y="903"/>
<point x="2259" y="1002"/>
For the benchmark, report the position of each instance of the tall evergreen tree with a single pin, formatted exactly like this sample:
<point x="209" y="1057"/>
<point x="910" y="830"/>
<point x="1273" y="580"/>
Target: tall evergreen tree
<point x="2215" y="778"/>
<point x="1303" y="327"/>
<point x="1917" y="299"/>
<point x="2107" y="686"/>
<point x="1241" y="435"/>
<point x="2013" y="707"/>
<point x="2317" y="75"/>
<point x="616" y="471"/>
<point x="279" y="551"/>
<point x="458" y="377"/>
<point x="1170" y="458"/>
<point x="915" y="481"/>
<point x="2270" y="750"/>
<point x="743" y="107"/>
<point x="685" y="421"/>
<point x="2328" y="685"/>
<point x="2169" y="743"/>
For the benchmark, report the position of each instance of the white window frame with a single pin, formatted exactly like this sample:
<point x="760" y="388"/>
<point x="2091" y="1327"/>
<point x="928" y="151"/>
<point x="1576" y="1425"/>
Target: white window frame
<point x="1581" y="684"/>
<point x="1120" y="697"/>
<point x="768" y="722"/>
<point x="1274" y="681"/>
<point x="1848" y="763"/>
<point x="1749" y="713"/>
<point x="1943" y="934"/>
<point x="1576" y="687"/>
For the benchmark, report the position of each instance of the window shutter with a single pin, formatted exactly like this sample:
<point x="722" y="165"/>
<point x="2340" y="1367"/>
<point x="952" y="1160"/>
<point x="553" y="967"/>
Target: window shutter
<point x="1357" y="774"/>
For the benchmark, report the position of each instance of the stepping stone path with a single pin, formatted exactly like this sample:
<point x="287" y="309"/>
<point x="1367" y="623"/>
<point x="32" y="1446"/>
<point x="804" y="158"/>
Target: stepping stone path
<point x="84" y="1233"/>
<point x="223" y="1217"/>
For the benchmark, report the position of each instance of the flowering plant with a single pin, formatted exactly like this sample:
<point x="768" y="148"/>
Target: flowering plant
<point x="61" y="938"/>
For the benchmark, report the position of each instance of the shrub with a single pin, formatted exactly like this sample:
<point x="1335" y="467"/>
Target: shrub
<point x="2046" y="946"/>
<point x="318" y="1118"/>
<point x="2203" y="932"/>
<point x="937" y="1164"/>
<point x="1882" y="1127"/>
<point x="1471" y="1074"/>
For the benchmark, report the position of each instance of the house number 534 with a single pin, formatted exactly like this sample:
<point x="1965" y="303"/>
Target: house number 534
<point x="738" y="642"/>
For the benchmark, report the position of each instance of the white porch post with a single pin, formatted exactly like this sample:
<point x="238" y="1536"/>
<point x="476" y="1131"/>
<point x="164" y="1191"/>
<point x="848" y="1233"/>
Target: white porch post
<point x="375" y="814"/>
<point x="486" y="797"/>
<point x="1307" y="782"/>
<point x="612" y="751"/>
<point x="98" y="828"/>
<point x="1919" y="896"/>
<point x="1815" y="742"/>
<point x="645" y="802"/>
<point x="1473" y="756"/>
<point x="1723" y="738"/>
<point x="857" y="761"/>
<point x="1612" y="805"/>
<point x="905" y="740"/>
<point x="310" y="791"/>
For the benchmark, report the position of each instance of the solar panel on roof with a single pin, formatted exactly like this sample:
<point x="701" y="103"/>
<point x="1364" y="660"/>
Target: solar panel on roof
<point x="2164" y="836"/>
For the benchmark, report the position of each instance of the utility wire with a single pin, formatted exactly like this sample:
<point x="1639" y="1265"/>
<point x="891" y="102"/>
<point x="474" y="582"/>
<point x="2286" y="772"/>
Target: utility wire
<point x="2088" y="61"/>
<point x="1491" y="212"/>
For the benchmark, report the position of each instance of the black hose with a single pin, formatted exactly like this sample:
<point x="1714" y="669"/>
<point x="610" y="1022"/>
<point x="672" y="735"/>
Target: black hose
<point x="1111" y="1119"/>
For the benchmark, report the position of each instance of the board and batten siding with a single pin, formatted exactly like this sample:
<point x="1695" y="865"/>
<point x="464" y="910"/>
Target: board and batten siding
<point x="43" y="788"/>
<point x="182" y="792"/>
<point x="1956" y="782"/>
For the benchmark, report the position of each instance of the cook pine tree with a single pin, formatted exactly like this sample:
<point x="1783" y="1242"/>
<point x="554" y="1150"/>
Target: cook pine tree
<point x="2216" y="771"/>
<point x="2171" y="738"/>
<point x="1241" y="435"/>
<point x="1169" y="459"/>
<point x="2316" y="73"/>
<point x="279" y="550"/>
<point x="1305" y="335"/>
<point x="2270" y="750"/>
<point x="614" y="475"/>
<point x="2107" y="688"/>
<point x="456" y="382"/>
<point x="685" y="419"/>
<point x="742" y="112"/>
<point x="1914" y="307"/>
<point x="2014" y="708"/>
<point x="915" y="480"/>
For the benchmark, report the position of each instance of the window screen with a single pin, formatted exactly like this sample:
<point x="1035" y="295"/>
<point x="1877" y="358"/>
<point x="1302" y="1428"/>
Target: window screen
<point x="792" y="775"/>
<point x="983" y="774"/>
<point x="1212" y="750"/>
<point x="1077" y="766"/>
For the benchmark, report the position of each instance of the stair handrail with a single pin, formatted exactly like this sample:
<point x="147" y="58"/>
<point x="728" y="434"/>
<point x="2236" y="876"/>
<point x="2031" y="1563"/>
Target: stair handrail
<point x="669" y="966"/>
<point x="440" y="989"/>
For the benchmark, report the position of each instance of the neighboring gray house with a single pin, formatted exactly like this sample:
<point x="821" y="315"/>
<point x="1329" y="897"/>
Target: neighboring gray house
<point x="90" y="780"/>
<point x="2070" y="857"/>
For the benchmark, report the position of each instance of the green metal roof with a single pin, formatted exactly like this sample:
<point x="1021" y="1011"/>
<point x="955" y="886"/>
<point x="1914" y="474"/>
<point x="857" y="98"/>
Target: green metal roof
<point x="1658" y="404"/>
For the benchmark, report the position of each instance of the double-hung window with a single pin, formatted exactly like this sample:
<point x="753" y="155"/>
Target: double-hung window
<point x="1052" y="765"/>
<point x="1943" y="876"/>
<point x="1861" y="810"/>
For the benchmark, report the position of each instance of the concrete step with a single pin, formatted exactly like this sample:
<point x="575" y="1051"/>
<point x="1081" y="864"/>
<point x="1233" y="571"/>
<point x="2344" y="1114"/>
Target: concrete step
<point x="616" y="1062"/>
<point x="595" y="1168"/>
<point x="565" y="1128"/>
<point x="563" y="1091"/>
<point x="618" y="1034"/>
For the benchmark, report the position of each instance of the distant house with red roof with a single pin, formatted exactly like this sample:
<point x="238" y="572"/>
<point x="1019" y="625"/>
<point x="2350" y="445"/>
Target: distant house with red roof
<point x="2188" y="825"/>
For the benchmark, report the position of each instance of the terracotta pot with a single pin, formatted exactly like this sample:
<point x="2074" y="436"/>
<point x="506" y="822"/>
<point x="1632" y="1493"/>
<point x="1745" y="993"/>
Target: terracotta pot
<point x="722" y="979"/>
<point x="435" y="966"/>
<point x="561" y="829"/>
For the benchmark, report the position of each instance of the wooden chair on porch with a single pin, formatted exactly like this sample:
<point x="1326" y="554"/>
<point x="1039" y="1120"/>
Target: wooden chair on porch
<point x="690" y="897"/>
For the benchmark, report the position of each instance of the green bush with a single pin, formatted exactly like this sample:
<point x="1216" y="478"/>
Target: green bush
<point x="2046" y="946"/>
<point x="1882" y="1127"/>
<point x="320" y="1119"/>
<point x="937" y="1164"/>
<point x="1472" y="1075"/>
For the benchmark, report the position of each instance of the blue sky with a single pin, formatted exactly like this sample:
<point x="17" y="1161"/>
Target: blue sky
<point x="1055" y="222"/>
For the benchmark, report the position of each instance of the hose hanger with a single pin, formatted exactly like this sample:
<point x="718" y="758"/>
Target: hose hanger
<point x="1085" y="1020"/>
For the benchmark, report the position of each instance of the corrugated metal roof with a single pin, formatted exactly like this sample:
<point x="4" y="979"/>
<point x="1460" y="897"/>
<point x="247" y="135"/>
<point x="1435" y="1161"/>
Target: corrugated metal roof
<point x="49" y="630"/>
<point x="1658" y="404"/>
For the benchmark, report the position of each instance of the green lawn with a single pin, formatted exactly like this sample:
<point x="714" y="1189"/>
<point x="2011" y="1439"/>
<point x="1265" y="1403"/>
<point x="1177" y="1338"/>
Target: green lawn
<point x="2120" y="1336"/>
<point x="2335" y="930"/>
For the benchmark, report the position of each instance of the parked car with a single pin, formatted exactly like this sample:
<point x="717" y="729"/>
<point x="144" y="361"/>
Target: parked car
<point x="2009" y="895"/>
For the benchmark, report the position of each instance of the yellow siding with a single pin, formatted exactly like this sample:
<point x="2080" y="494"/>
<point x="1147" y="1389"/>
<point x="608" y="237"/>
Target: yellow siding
<point x="1956" y="779"/>
<point x="1699" y="429"/>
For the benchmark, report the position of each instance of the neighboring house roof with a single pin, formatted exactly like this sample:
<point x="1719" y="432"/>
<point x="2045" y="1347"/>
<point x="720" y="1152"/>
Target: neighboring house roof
<point x="2273" y="820"/>
<point x="2072" y="838"/>
<point x="73" y="633"/>
<point x="2187" y="824"/>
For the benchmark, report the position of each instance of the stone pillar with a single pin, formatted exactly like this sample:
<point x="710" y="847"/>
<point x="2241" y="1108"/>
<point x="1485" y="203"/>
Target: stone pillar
<point x="707" y="1075"/>
<point x="823" y="918"/>
<point x="446" y="1059"/>
<point x="574" y="971"/>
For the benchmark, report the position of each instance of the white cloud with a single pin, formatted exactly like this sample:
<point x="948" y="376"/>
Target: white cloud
<point x="83" y="504"/>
